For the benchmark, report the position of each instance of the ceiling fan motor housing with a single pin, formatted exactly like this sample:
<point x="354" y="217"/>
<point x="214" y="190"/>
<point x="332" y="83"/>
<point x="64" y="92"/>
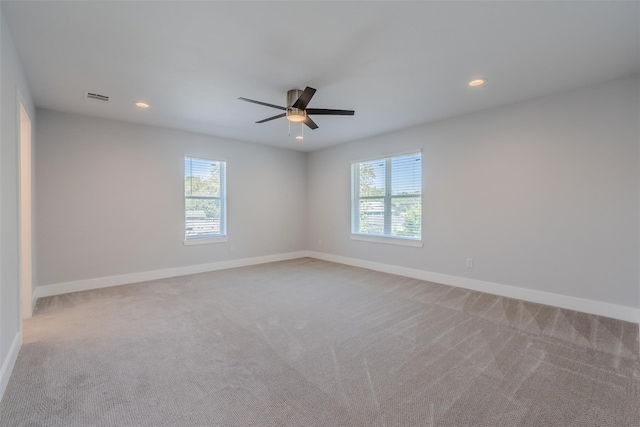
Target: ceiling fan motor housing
<point x="292" y="96"/>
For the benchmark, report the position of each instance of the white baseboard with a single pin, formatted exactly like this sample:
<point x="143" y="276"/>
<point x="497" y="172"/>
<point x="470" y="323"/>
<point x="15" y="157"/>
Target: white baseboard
<point x="9" y="363"/>
<point x="124" y="279"/>
<point x="629" y="314"/>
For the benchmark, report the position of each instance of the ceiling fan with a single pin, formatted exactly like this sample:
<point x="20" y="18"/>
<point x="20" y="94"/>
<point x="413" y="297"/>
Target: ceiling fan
<point x="296" y="109"/>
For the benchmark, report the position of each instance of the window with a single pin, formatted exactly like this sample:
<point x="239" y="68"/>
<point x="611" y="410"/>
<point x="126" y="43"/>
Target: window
<point x="204" y="201"/>
<point x="386" y="198"/>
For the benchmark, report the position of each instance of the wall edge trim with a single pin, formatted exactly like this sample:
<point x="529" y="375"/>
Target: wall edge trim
<point x="10" y="362"/>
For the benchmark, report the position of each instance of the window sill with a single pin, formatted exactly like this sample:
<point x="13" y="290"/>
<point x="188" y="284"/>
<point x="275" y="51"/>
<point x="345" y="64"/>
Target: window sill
<point x="205" y="240"/>
<point x="388" y="240"/>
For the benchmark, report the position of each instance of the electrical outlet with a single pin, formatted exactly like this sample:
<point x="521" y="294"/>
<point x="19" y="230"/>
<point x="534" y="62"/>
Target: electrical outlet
<point x="469" y="262"/>
<point x="319" y="242"/>
<point x="232" y="248"/>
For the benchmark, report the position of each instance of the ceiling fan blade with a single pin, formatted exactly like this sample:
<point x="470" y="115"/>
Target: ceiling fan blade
<point x="307" y="121"/>
<point x="272" y="118"/>
<point x="326" y="111"/>
<point x="304" y="98"/>
<point x="262" y="103"/>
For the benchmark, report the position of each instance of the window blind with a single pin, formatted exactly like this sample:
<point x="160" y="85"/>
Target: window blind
<point x="204" y="198"/>
<point x="386" y="197"/>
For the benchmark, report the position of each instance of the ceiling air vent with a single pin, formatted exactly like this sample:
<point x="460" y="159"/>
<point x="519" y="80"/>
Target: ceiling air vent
<point x="97" y="97"/>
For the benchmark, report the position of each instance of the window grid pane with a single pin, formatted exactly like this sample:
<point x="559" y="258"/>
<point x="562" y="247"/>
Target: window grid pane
<point x="372" y="178"/>
<point x="406" y="216"/>
<point x="371" y="219"/>
<point x="407" y="175"/>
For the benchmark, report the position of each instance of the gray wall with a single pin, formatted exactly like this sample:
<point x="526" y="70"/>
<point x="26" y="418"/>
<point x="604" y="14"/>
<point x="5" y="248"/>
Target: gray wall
<point x="542" y="195"/>
<point x="110" y="198"/>
<point x="12" y="79"/>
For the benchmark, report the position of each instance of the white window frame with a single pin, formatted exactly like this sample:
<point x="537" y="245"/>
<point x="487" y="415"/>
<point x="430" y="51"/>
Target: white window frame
<point x="208" y="239"/>
<point x="387" y="237"/>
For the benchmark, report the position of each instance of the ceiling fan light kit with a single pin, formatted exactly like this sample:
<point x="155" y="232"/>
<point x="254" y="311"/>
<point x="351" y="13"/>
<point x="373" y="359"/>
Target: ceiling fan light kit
<point x="296" y="110"/>
<point x="296" y="115"/>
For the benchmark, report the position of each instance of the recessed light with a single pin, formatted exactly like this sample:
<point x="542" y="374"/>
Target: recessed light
<point x="477" y="82"/>
<point x="300" y="137"/>
<point x="141" y="104"/>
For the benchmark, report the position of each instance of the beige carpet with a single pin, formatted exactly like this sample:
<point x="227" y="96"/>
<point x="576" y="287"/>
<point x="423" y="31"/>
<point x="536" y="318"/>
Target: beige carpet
<point x="312" y="343"/>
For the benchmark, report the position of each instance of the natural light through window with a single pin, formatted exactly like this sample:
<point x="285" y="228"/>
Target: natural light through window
<point x="204" y="200"/>
<point x="386" y="198"/>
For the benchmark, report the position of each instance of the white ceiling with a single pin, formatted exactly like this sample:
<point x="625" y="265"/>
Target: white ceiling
<point x="397" y="64"/>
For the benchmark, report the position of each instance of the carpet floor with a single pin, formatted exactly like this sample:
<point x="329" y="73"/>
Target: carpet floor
<point x="312" y="343"/>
